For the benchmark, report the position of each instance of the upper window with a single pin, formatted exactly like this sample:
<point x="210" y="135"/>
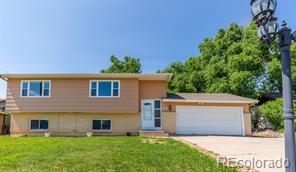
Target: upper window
<point x="104" y="88"/>
<point x="35" y="89"/>
<point x="36" y="124"/>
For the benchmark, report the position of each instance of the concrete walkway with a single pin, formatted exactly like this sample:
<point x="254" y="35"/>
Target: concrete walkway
<point x="250" y="151"/>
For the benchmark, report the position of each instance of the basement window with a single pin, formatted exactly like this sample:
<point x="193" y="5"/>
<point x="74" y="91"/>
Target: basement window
<point x="101" y="125"/>
<point x="36" y="124"/>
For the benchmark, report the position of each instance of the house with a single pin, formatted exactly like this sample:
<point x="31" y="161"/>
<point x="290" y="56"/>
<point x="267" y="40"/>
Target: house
<point x="2" y="108"/>
<point x="265" y="97"/>
<point x="118" y="104"/>
<point x="2" y="105"/>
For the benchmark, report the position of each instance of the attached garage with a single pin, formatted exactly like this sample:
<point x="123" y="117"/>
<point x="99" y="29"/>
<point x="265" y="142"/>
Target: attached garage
<point x="207" y="120"/>
<point x="207" y="114"/>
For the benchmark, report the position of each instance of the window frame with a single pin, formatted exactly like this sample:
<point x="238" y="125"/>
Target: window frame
<point x="97" y="89"/>
<point x="100" y="130"/>
<point x="38" y="125"/>
<point x="160" y="112"/>
<point x="28" y="89"/>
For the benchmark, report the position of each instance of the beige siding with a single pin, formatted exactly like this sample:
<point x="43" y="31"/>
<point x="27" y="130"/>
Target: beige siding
<point x="75" y="123"/>
<point x="152" y="89"/>
<point x="169" y="122"/>
<point x="72" y="95"/>
<point x="248" y="123"/>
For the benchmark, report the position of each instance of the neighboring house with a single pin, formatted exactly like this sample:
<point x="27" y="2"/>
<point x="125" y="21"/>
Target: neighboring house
<point x="2" y="108"/>
<point x="2" y="105"/>
<point x="265" y="97"/>
<point x="118" y="104"/>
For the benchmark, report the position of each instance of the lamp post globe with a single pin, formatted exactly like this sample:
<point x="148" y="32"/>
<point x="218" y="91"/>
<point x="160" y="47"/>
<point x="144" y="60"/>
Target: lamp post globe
<point x="268" y="32"/>
<point x="271" y="28"/>
<point x="262" y="33"/>
<point x="262" y="10"/>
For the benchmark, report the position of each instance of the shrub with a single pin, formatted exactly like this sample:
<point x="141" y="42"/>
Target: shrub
<point x="4" y="113"/>
<point x="273" y="112"/>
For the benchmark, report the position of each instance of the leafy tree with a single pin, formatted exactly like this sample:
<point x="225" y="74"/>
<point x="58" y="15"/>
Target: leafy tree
<point x="231" y="62"/>
<point x="128" y="65"/>
<point x="234" y="61"/>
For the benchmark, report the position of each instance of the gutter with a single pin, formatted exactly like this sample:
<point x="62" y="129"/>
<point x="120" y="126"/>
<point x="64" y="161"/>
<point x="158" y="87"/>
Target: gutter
<point x="4" y="79"/>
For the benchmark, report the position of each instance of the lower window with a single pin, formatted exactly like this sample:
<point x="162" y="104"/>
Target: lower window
<point x="101" y="124"/>
<point x="36" y="124"/>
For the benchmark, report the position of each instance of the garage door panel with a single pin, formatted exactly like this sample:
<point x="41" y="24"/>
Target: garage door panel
<point x="212" y="124"/>
<point x="206" y="117"/>
<point x="209" y="120"/>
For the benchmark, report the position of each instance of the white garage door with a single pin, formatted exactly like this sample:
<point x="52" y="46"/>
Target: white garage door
<point x="209" y="120"/>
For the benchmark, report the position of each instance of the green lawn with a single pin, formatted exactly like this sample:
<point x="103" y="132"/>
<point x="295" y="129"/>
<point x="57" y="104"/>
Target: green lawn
<point x="101" y="154"/>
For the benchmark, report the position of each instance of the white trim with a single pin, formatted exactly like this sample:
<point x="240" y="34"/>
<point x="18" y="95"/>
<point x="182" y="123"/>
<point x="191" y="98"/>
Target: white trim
<point x="97" y="93"/>
<point x="160" y="110"/>
<point x="209" y="101"/>
<point x="101" y="125"/>
<point x="243" y="123"/>
<point x="28" y="89"/>
<point x="39" y="125"/>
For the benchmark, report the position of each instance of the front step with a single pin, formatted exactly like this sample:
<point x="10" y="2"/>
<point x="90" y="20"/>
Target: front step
<point x="146" y="133"/>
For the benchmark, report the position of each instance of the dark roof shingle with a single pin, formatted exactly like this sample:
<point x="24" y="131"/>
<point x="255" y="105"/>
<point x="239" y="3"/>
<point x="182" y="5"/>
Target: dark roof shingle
<point x="218" y="97"/>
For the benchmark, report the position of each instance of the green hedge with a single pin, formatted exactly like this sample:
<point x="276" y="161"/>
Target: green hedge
<point x="273" y="112"/>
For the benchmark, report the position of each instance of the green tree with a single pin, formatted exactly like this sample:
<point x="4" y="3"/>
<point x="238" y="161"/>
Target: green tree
<point x="230" y="62"/>
<point x="274" y="71"/>
<point x="234" y="61"/>
<point x="128" y="65"/>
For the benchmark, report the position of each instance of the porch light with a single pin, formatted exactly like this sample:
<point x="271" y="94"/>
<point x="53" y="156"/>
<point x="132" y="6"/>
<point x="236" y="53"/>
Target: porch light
<point x="170" y="107"/>
<point x="262" y="10"/>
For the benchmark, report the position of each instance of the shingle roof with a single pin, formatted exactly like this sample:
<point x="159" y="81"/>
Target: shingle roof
<point x="207" y="97"/>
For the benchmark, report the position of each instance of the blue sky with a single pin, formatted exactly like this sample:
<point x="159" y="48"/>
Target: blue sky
<point x="79" y="36"/>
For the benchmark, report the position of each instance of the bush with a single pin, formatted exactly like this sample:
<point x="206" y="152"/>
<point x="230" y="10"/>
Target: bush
<point x="273" y="112"/>
<point x="4" y="113"/>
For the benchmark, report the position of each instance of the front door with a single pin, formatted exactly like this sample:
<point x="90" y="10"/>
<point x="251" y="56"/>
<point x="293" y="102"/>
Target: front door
<point x="147" y="115"/>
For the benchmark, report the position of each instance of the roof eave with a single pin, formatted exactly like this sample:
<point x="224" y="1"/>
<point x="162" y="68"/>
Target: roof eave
<point x="209" y="101"/>
<point x="162" y="76"/>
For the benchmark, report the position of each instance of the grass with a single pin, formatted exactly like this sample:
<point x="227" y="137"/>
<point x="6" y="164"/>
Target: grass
<point x="102" y="154"/>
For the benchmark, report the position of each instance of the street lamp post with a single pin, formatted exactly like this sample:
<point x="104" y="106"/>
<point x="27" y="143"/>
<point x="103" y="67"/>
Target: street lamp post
<point x="285" y="46"/>
<point x="263" y="11"/>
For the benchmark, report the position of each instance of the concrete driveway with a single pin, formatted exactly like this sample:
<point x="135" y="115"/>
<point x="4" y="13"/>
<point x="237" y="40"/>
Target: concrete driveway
<point x="251" y="151"/>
